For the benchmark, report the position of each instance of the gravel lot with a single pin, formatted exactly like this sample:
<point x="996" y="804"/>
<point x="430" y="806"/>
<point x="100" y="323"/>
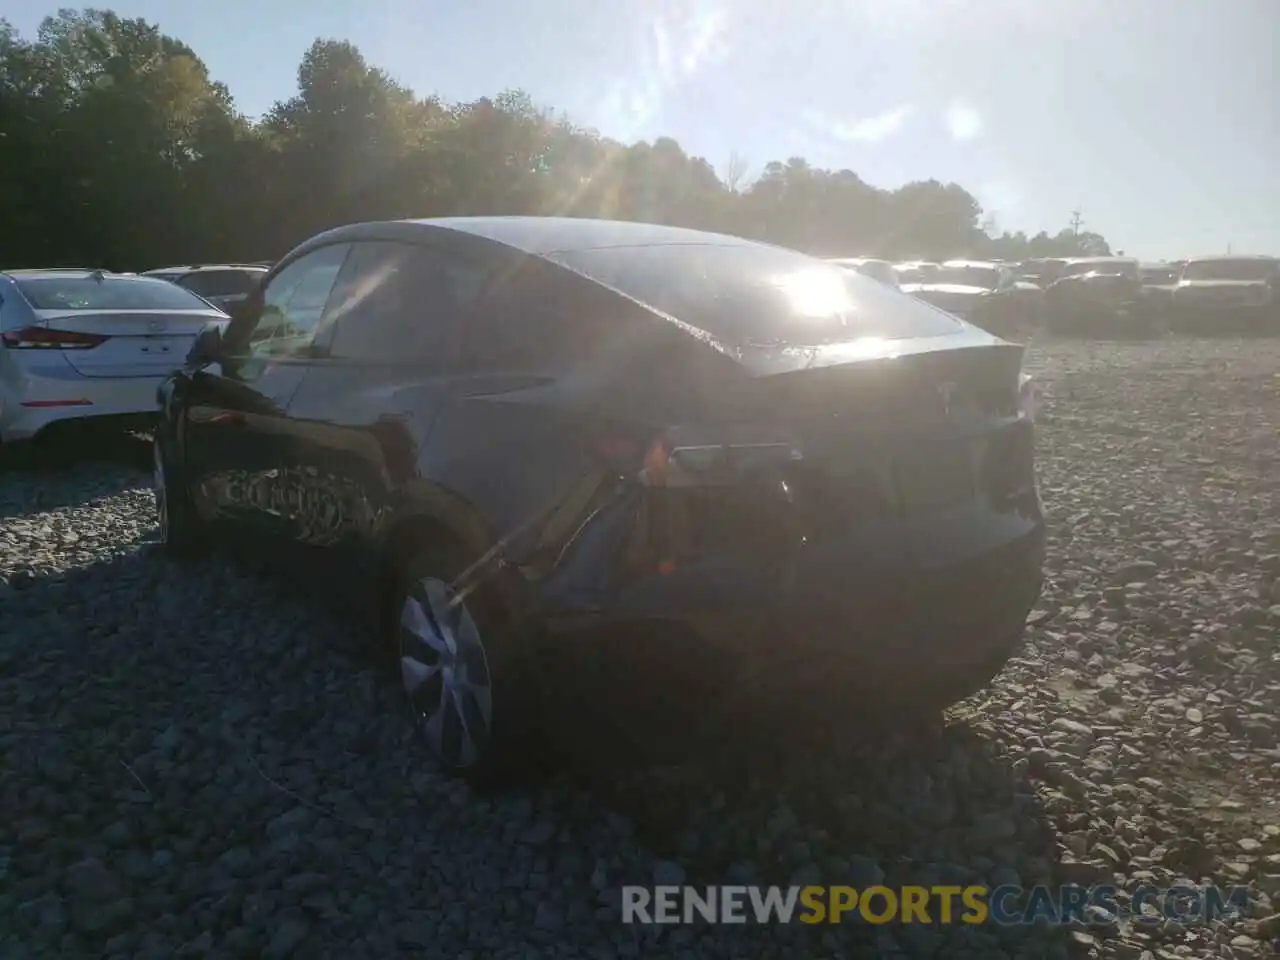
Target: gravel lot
<point x="193" y="767"/>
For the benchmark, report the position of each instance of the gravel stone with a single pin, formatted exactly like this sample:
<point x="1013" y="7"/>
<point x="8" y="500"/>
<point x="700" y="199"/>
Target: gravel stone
<point x="196" y="764"/>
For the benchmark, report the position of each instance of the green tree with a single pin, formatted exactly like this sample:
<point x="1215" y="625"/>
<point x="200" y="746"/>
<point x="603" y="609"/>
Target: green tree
<point x="118" y="149"/>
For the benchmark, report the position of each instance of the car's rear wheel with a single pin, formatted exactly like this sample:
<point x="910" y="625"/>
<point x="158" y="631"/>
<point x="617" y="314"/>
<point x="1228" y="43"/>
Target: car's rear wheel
<point x="181" y="532"/>
<point x="464" y="673"/>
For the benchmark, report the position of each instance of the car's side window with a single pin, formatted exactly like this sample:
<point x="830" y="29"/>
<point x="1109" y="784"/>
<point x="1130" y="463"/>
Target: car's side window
<point x="397" y="301"/>
<point x="294" y="301"/>
<point x="541" y="318"/>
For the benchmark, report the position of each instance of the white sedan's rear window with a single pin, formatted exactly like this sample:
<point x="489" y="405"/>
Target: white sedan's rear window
<point x="107" y="293"/>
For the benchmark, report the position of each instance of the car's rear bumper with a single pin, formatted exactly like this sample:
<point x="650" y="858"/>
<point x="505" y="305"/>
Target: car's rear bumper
<point x="43" y="392"/>
<point x="856" y="617"/>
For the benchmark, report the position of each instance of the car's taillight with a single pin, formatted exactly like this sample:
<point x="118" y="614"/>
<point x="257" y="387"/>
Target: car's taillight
<point x="673" y="464"/>
<point x="1009" y="470"/>
<point x="711" y="491"/>
<point x="43" y="338"/>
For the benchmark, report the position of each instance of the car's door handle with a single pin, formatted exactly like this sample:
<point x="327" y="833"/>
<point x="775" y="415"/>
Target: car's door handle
<point x="229" y="418"/>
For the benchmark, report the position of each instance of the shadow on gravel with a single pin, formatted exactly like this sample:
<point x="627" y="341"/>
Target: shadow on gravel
<point x="193" y="765"/>
<point x="46" y="474"/>
<point x="935" y="805"/>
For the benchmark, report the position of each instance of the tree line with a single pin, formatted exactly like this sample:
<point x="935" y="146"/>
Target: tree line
<point x="117" y="149"/>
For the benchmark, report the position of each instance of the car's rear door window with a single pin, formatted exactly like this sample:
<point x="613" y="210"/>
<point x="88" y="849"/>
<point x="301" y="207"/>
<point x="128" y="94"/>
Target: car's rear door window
<point x="541" y="318"/>
<point x="753" y="294"/>
<point x="399" y="302"/>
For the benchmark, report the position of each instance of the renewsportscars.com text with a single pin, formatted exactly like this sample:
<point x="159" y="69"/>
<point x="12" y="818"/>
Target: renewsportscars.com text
<point x="937" y="904"/>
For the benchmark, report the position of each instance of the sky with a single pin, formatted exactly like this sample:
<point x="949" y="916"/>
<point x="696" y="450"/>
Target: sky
<point x="1158" y="120"/>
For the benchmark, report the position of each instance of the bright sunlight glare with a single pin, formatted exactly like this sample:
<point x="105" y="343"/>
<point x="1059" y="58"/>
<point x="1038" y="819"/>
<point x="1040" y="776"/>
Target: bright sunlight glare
<point x="819" y="292"/>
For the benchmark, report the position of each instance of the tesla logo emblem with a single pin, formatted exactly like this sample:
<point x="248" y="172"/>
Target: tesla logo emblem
<point x="155" y="326"/>
<point x="946" y="393"/>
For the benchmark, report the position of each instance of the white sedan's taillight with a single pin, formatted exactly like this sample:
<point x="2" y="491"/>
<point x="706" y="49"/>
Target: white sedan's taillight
<point x="43" y="338"/>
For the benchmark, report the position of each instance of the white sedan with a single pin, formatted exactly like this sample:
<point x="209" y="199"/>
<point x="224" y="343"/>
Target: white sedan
<point x="78" y="344"/>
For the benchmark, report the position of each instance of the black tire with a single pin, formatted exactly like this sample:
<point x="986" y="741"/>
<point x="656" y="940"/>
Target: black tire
<point x="182" y="533"/>
<point x="514" y="723"/>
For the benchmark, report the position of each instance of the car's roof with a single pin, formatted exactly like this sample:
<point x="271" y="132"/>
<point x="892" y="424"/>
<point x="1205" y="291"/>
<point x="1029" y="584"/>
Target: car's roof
<point x="26" y="271"/>
<point x="536" y="236"/>
<point x="987" y="264"/>
<point x="73" y="273"/>
<point x="859" y="261"/>
<point x="197" y="267"/>
<point x="1102" y="260"/>
<point x="1266" y="257"/>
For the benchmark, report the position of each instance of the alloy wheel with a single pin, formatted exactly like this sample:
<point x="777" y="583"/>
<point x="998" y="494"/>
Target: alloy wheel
<point x="445" y="672"/>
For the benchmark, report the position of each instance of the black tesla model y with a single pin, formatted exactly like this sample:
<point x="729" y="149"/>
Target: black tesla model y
<point x="498" y="436"/>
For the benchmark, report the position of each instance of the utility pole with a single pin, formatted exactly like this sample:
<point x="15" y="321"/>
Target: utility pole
<point x="1075" y="222"/>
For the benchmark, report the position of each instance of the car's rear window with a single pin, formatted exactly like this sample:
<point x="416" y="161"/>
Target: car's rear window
<point x="107" y="293"/>
<point x="1123" y="268"/>
<point x="749" y="294"/>
<point x="221" y="283"/>
<point x="1259" y="269"/>
<point x="968" y="276"/>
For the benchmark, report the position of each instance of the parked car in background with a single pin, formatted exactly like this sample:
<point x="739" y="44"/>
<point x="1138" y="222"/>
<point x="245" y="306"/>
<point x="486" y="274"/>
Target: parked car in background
<point x="1042" y="271"/>
<point x="1101" y="296"/>
<point x="89" y="345"/>
<point x="914" y="273"/>
<point x="496" y="435"/>
<point x="1163" y="275"/>
<point x="1227" y="294"/>
<point x="222" y="284"/>
<point x="1159" y="280"/>
<point x="881" y="270"/>
<point x="983" y="293"/>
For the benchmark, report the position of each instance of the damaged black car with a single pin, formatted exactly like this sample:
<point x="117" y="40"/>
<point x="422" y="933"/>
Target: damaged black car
<point x="499" y="436"/>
